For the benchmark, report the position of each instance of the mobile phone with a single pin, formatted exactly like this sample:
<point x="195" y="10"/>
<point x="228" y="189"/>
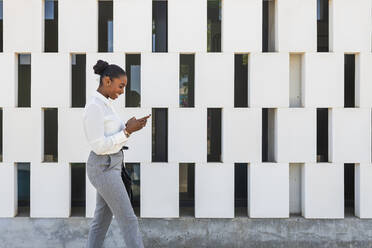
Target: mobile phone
<point x="146" y="117"/>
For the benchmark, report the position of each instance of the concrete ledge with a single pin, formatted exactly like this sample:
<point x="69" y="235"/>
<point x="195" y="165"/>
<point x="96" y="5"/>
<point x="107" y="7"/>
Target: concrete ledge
<point x="22" y="232"/>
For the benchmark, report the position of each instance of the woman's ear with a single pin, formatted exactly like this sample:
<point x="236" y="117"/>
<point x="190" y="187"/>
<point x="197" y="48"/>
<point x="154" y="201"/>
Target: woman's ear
<point x="106" y="81"/>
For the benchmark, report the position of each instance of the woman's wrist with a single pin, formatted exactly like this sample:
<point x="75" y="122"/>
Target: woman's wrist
<point x="127" y="132"/>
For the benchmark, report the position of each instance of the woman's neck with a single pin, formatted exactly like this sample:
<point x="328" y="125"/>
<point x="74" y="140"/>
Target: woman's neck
<point x="100" y="90"/>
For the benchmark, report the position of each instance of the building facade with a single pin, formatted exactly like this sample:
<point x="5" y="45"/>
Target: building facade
<point x="259" y="108"/>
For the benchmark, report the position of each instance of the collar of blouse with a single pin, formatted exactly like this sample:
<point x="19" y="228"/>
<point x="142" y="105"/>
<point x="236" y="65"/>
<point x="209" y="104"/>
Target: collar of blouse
<point x="107" y="101"/>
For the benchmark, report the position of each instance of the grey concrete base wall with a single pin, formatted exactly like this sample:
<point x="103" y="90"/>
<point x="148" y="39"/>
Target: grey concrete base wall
<point x="22" y="232"/>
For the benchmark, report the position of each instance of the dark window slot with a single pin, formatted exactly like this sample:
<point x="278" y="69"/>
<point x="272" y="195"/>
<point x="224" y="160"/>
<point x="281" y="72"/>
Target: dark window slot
<point x="105" y="26"/>
<point x="349" y="95"/>
<point x="133" y="88"/>
<point x="159" y="135"/>
<point x="78" y="177"/>
<point x="214" y="135"/>
<point x="241" y="186"/>
<point x="134" y="171"/>
<point x="24" y="80"/>
<point x="241" y="81"/>
<point x="78" y="80"/>
<point x="23" y="189"/>
<point x="268" y="25"/>
<point x="323" y="25"/>
<point x="159" y="26"/>
<point x="268" y="135"/>
<point x="214" y="26"/>
<point x="265" y="26"/>
<point x="349" y="184"/>
<point x="1" y="26"/>
<point x="50" y="135"/>
<point x="322" y="135"/>
<point x="1" y="135"/>
<point x="265" y="139"/>
<point x="51" y="26"/>
<point x="187" y="189"/>
<point x="187" y="79"/>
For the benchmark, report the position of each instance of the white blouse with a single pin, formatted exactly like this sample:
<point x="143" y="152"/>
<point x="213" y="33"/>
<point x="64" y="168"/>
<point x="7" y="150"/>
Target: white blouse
<point x="102" y="125"/>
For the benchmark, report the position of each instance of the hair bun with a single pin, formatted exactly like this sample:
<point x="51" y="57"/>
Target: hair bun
<point x="100" y="67"/>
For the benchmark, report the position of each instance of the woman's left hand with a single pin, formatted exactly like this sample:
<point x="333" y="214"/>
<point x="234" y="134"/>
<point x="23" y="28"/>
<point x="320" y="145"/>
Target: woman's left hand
<point x="143" y="120"/>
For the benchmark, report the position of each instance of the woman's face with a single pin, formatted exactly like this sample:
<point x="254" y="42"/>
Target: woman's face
<point x="115" y="87"/>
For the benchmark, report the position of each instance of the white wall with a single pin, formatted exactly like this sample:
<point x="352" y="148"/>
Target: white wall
<point x="351" y="26"/>
<point x="26" y="17"/>
<point x="241" y="25"/>
<point x="187" y="22"/>
<point x="132" y="25"/>
<point x="296" y="25"/>
<point x="316" y="78"/>
<point x="78" y="22"/>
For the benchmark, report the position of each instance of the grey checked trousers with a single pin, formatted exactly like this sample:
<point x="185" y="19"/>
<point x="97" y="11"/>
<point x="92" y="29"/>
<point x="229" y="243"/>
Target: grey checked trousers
<point x="104" y="172"/>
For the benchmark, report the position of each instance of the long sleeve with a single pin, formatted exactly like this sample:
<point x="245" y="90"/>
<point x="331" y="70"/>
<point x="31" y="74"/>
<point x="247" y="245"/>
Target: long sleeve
<point x="94" y="131"/>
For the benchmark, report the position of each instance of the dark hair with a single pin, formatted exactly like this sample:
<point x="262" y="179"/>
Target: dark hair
<point x="103" y="69"/>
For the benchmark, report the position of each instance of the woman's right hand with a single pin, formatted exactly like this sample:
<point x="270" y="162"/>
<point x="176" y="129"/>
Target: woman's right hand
<point x="133" y="125"/>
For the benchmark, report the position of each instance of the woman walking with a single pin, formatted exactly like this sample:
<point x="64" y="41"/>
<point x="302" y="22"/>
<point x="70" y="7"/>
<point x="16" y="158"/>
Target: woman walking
<point x="106" y="134"/>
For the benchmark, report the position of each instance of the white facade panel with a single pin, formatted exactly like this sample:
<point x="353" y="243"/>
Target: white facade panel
<point x="187" y="135"/>
<point x="214" y="190"/>
<point x="160" y="80"/>
<point x="132" y="25"/>
<point x="268" y="80"/>
<point x="50" y="85"/>
<point x="363" y="191"/>
<point x="268" y="190"/>
<point x="8" y="92"/>
<point x="187" y="25"/>
<point x="323" y="80"/>
<point x="241" y="26"/>
<point x="159" y="198"/>
<point x="350" y="26"/>
<point x="241" y="135"/>
<point x="350" y="140"/>
<point x="8" y="190"/>
<point x="72" y="144"/>
<point x="78" y="26"/>
<point x="50" y="190"/>
<point x="207" y="66"/>
<point x="292" y="18"/>
<point x="22" y="135"/>
<point x="323" y="191"/>
<point x="363" y="78"/>
<point x="23" y="26"/>
<point x="296" y="135"/>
